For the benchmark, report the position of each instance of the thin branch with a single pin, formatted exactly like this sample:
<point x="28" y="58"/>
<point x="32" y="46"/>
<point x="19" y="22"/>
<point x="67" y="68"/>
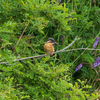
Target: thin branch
<point x="23" y="32"/>
<point x="66" y="47"/>
<point x="91" y="49"/>
<point x="39" y="56"/>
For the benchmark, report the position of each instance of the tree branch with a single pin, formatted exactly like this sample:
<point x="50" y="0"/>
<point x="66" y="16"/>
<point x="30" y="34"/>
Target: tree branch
<point x="65" y="47"/>
<point x="81" y="49"/>
<point x="39" y="56"/>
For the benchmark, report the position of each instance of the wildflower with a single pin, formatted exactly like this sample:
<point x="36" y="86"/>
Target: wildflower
<point x="96" y="63"/>
<point x="96" y="42"/>
<point x="98" y="59"/>
<point x="78" y="67"/>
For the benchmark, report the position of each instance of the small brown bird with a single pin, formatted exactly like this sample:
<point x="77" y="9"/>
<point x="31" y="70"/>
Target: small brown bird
<point x="48" y="47"/>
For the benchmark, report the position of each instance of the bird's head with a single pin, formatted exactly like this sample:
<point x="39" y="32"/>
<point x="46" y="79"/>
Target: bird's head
<point x="51" y="40"/>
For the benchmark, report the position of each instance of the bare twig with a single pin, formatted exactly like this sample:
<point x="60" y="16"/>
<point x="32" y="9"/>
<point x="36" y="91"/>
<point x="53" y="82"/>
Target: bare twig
<point x="39" y="56"/>
<point x="23" y="32"/>
<point x="62" y="50"/>
<point x="91" y="49"/>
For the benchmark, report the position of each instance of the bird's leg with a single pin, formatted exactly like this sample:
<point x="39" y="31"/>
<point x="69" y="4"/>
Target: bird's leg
<point x="51" y="54"/>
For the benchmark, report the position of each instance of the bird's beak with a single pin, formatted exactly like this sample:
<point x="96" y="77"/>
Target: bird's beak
<point x="56" y="43"/>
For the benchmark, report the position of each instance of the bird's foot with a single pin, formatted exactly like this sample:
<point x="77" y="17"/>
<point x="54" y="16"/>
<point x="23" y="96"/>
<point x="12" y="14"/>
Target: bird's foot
<point x="51" y="54"/>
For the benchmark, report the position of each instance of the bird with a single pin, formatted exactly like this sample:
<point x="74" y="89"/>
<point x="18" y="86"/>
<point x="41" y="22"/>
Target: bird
<point x="49" y="46"/>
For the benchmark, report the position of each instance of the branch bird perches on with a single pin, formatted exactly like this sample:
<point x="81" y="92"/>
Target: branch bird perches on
<point x="39" y="56"/>
<point x="62" y="50"/>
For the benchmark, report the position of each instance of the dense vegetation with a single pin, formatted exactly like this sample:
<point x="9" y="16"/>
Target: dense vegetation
<point x="25" y="26"/>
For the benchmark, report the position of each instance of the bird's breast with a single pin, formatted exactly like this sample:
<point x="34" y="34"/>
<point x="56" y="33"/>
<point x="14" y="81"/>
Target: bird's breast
<point x="48" y="47"/>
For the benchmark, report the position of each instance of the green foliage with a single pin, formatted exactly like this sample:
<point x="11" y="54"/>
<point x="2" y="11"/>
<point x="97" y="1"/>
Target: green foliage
<point x="41" y="81"/>
<point x="48" y="78"/>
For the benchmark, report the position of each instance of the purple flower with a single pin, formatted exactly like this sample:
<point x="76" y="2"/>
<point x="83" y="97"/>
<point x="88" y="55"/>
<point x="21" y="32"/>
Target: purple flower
<point x="96" y="63"/>
<point x="78" y="67"/>
<point x="96" y="42"/>
<point x="98" y="59"/>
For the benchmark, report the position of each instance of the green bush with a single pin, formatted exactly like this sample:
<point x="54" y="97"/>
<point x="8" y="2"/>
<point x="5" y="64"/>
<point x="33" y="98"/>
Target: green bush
<point x="41" y="81"/>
